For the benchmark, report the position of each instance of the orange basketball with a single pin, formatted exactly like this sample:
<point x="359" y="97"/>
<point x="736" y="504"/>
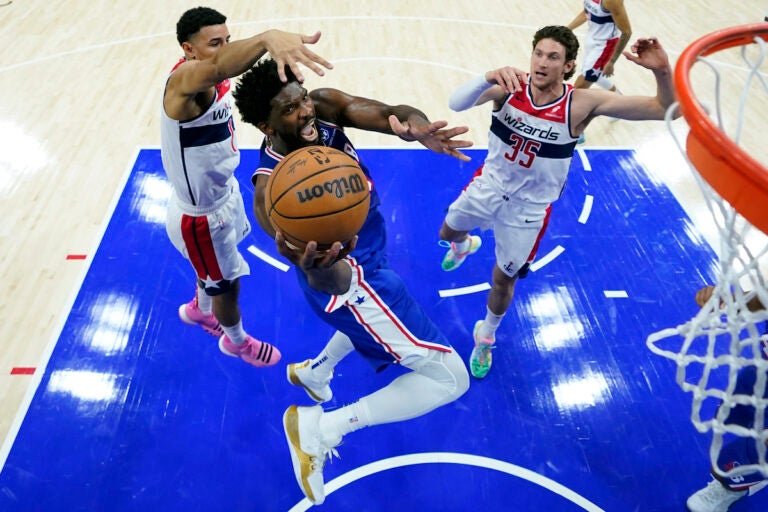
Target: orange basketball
<point x="317" y="193"/>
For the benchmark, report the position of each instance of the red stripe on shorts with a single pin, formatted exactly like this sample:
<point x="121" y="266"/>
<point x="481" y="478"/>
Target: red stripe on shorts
<point x="197" y="238"/>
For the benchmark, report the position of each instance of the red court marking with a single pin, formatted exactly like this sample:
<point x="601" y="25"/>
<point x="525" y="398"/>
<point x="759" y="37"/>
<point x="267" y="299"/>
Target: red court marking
<point x="21" y="370"/>
<point x="75" y="256"/>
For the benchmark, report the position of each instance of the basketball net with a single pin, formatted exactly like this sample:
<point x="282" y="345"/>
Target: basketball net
<point x="724" y="342"/>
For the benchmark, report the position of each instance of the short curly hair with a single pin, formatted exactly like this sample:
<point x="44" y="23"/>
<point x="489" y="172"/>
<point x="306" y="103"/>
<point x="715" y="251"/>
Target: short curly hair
<point x="256" y="89"/>
<point x="565" y="37"/>
<point x="196" y="18"/>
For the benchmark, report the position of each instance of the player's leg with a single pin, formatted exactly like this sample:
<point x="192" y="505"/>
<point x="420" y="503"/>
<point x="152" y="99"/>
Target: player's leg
<point x="436" y="380"/>
<point x="223" y="266"/>
<point x="470" y="210"/>
<point x="518" y="230"/>
<point x="198" y="311"/>
<point x="314" y="375"/>
<point x="721" y="492"/>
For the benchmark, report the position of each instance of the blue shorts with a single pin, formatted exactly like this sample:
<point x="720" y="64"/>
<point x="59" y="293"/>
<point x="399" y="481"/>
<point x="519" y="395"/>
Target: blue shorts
<point x="739" y="452"/>
<point x="743" y="450"/>
<point x="378" y="313"/>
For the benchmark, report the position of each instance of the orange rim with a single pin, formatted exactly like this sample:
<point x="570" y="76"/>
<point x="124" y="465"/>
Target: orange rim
<point x="730" y="171"/>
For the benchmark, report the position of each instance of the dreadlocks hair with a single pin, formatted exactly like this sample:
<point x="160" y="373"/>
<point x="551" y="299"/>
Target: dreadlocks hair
<point x="194" y="19"/>
<point x="256" y="89"/>
<point x="565" y="37"/>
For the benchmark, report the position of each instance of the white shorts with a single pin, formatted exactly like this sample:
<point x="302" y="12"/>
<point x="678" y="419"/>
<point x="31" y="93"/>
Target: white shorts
<point x="517" y="225"/>
<point x="597" y="54"/>
<point x="208" y="239"/>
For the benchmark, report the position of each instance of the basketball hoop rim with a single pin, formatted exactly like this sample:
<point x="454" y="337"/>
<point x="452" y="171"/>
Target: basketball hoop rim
<point x="725" y="156"/>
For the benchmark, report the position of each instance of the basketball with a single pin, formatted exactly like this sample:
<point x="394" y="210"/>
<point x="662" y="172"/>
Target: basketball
<point x="317" y="193"/>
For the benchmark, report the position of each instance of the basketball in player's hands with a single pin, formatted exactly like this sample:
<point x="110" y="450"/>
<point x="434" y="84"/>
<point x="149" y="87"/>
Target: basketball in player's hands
<point x="317" y="193"/>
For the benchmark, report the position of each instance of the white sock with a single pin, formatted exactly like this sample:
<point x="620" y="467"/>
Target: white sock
<point x="204" y="301"/>
<point x="337" y="348"/>
<point x="336" y="424"/>
<point x="603" y="82"/>
<point x="463" y="246"/>
<point x="235" y="333"/>
<point x="489" y="326"/>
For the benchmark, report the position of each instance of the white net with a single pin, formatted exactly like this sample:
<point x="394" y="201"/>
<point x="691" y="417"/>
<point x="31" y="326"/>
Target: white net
<point x="722" y="352"/>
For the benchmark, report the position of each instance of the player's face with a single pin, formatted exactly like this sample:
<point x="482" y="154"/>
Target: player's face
<point x="206" y="42"/>
<point x="548" y="64"/>
<point x="292" y="119"/>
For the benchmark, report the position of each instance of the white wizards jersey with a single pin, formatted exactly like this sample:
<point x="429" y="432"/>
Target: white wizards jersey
<point x="600" y="24"/>
<point x="200" y="155"/>
<point x="530" y="147"/>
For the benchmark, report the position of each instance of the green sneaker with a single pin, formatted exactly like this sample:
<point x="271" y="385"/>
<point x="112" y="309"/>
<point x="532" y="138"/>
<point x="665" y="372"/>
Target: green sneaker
<point x="453" y="260"/>
<point x="481" y="358"/>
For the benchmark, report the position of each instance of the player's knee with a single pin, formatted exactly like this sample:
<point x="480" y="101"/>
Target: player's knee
<point x="458" y="369"/>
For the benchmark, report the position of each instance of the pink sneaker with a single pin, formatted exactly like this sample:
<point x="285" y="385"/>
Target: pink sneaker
<point x="190" y="314"/>
<point x="255" y="352"/>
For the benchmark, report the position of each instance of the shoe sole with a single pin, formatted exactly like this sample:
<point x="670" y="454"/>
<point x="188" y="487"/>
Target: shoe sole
<point x="299" y="458"/>
<point x="296" y="381"/>
<point x="184" y="318"/>
<point x="225" y="351"/>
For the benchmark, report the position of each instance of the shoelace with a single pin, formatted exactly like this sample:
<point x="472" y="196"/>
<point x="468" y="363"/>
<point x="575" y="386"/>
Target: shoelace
<point x="325" y="453"/>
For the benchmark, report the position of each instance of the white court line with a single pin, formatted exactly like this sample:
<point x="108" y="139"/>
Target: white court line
<point x="466" y="290"/>
<point x="586" y="209"/>
<point x="13" y="430"/>
<point x="584" y="160"/>
<point x="269" y="259"/>
<point x="451" y="458"/>
<point x="554" y="253"/>
<point x="616" y="294"/>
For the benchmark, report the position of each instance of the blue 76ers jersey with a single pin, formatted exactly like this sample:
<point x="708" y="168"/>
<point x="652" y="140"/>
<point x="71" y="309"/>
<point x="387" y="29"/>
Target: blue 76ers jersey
<point x="372" y="237"/>
<point x="379" y="315"/>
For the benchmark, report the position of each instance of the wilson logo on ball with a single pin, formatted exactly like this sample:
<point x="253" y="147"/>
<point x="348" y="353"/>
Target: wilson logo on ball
<point x="317" y="194"/>
<point x="352" y="184"/>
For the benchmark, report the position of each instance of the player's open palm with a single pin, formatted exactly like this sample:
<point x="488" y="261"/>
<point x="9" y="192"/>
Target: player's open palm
<point x="434" y="136"/>
<point x="287" y="48"/>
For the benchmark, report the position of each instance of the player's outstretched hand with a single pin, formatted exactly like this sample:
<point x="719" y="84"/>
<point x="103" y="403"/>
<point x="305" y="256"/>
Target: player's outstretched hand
<point x="649" y="54"/>
<point x="288" y="48"/>
<point x="434" y="136"/>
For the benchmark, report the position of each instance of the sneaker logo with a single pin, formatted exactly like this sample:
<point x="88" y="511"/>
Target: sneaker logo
<point x="319" y="362"/>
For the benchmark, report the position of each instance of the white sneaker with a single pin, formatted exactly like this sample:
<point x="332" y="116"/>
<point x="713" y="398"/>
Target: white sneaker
<point x="308" y="449"/>
<point x="301" y="374"/>
<point x="713" y="498"/>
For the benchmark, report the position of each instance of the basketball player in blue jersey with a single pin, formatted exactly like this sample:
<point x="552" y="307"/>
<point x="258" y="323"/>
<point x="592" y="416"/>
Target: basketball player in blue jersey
<point x="351" y="288"/>
<point x="535" y="123"/>
<point x="206" y="216"/>
<point x="722" y="492"/>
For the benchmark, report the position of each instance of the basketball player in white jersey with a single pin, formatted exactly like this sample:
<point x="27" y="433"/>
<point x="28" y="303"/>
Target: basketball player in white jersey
<point x="608" y="32"/>
<point x="206" y="216"/>
<point x="535" y="123"/>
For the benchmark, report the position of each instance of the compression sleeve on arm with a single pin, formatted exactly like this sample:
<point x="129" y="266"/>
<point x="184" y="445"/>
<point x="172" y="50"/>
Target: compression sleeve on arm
<point x="468" y="93"/>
